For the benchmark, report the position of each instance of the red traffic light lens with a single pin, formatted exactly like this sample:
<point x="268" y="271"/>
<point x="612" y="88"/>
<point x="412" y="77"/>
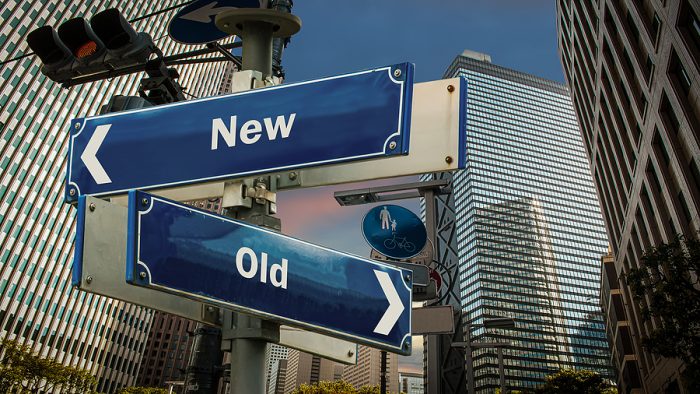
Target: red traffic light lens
<point x="85" y="50"/>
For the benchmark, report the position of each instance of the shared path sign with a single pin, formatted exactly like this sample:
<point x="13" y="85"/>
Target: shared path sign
<point x="217" y="260"/>
<point x="338" y="119"/>
<point x="394" y="231"/>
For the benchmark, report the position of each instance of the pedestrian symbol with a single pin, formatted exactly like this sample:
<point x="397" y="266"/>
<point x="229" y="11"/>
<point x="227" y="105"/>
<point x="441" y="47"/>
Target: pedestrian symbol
<point x="394" y="231"/>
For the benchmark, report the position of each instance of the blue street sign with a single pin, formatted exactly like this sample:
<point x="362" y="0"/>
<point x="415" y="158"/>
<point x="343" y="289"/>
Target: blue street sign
<point x="207" y="257"/>
<point x="394" y="231"/>
<point x="194" y="24"/>
<point x="331" y="120"/>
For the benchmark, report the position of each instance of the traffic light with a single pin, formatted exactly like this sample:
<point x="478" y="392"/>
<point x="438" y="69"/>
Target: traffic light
<point x="107" y="43"/>
<point x="124" y="46"/>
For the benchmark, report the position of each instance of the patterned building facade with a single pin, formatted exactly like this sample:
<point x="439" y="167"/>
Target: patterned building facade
<point x="38" y="307"/>
<point x="367" y="371"/>
<point x="528" y="227"/>
<point x="633" y="67"/>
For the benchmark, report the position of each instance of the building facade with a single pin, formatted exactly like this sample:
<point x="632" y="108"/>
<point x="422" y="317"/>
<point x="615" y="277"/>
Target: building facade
<point x="277" y="376"/>
<point x="167" y="351"/>
<point x="633" y="70"/>
<point x="304" y="368"/>
<point x="275" y="353"/>
<point x="529" y="230"/>
<point x="410" y="383"/>
<point x="38" y="307"/>
<point x="367" y="371"/>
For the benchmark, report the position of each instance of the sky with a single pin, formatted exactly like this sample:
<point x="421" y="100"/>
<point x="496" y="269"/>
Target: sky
<point x="345" y="36"/>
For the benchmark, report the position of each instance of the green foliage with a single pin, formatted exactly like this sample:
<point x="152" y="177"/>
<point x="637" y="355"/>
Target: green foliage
<point x="667" y="290"/>
<point x="142" y="390"/>
<point x="571" y="381"/>
<point x="368" y="390"/>
<point x="337" y="387"/>
<point x="21" y="371"/>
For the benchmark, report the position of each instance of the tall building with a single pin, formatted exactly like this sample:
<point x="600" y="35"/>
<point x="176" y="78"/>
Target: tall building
<point x="304" y="368"/>
<point x="276" y="377"/>
<point x="274" y="353"/>
<point x="367" y="371"/>
<point x="38" y="307"/>
<point x="632" y="66"/>
<point x="410" y="383"/>
<point x="167" y="351"/>
<point x="529" y="231"/>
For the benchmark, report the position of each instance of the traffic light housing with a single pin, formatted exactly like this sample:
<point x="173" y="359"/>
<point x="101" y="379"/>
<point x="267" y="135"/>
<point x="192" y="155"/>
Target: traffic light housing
<point x="107" y="43"/>
<point x="124" y="46"/>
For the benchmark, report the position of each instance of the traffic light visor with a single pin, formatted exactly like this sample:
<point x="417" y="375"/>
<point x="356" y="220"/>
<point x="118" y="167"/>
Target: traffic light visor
<point x="111" y="27"/>
<point x="45" y="43"/>
<point x="79" y="38"/>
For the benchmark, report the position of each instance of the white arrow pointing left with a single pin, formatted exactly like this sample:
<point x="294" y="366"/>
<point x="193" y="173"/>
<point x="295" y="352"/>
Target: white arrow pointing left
<point x="89" y="156"/>
<point x="204" y="14"/>
<point x="393" y="312"/>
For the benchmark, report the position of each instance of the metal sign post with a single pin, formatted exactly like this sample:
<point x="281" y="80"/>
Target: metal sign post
<point x="246" y="336"/>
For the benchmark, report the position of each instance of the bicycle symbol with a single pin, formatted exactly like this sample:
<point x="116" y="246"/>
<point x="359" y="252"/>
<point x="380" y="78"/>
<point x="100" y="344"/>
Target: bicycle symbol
<point x="399" y="242"/>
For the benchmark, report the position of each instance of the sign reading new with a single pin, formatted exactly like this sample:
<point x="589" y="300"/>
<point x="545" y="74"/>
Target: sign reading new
<point x="337" y="119"/>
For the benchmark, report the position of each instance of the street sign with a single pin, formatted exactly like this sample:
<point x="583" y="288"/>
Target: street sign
<point x="194" y="24"/>
<point x="437" y="140"/>
<point x="344" y="118"/>
<point x="421" y="273"/>
<point x="430" y="320"/>
<point x="394" y="231"/>
<point x="100" y="263"/>
<point x="217" y="260"/>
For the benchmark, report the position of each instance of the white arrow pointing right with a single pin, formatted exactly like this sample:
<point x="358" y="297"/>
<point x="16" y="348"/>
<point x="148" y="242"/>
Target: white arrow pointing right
<point x="393" y="312"/>
<point x="89" y="156"/>
<point x="204" y="14"/>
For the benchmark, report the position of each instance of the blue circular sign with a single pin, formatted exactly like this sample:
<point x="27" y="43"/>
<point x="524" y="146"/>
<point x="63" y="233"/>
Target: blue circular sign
<point x="194" y="24"/>
<point x="394" y="231"/>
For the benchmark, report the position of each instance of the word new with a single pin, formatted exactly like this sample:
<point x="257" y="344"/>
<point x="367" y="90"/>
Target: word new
<point x="278" y="272"/>
<point x="250" y="131"/>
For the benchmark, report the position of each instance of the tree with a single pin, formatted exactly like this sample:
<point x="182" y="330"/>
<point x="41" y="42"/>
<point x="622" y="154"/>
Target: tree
<point x="368" y="390"/>
<point x="336" y="387"/>
<point x="667" y="290"/>
<point x="571" y="381"/>
<point x="21" y="371"/>
<point x="142" y="390"/>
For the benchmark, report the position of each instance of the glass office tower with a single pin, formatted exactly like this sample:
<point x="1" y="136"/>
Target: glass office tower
<point x="38" y="307"/>
<point x="529" y="229"/>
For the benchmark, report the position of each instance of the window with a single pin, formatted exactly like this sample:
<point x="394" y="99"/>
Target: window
<point x="679" y="76"/>
<point x="689" y="26"/>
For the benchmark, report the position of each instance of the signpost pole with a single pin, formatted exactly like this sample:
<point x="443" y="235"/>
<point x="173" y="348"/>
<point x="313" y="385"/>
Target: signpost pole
<point x="246" y="337"/>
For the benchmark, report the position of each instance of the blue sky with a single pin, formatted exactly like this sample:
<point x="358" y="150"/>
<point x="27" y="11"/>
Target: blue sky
<point x="345" y="36"/>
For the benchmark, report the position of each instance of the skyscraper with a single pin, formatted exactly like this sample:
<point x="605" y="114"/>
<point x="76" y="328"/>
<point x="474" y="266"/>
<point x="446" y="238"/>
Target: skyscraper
<point x="367" y="371"/>
<point x="167" y="350"/>
<point x="38" y="307"/>
<point x="410" y="383"/>
<point x="276" y="377"/>
<point x="529" y="232"/>
<point x="275" y="353"/>
<point x="633" y="69"/>
<point x="305" y="368"/>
